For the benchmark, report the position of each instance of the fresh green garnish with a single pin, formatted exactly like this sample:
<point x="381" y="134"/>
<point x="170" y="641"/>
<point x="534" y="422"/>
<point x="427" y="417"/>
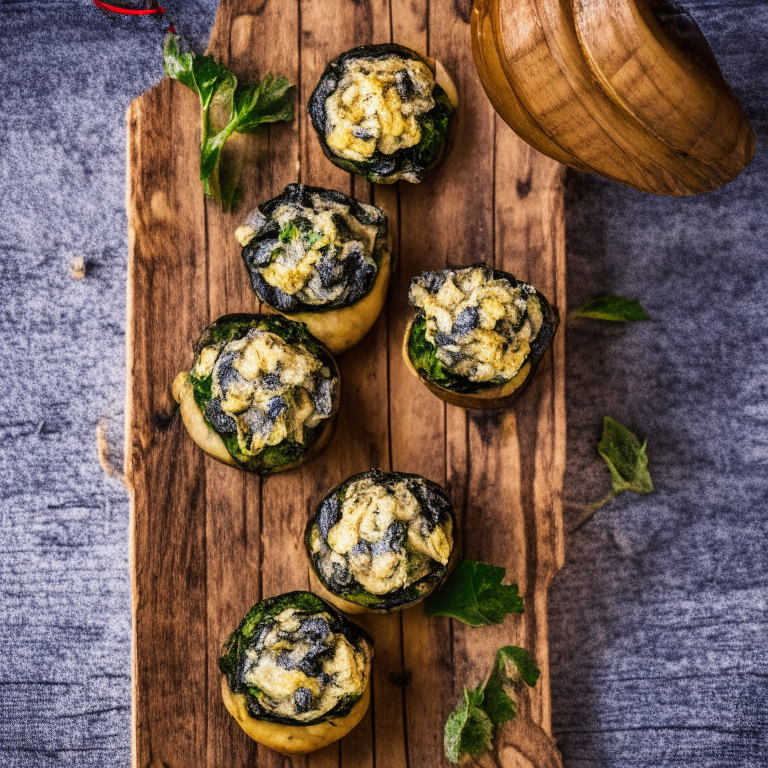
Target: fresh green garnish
<point x="245" y="109"/>
<point x="468" y="729"/>
<point x="288" y="232"/>
<point x="472" y="726"/>
<point x="473" y="594"/>
<point x="627" y="462"/>
<point x="616" y="309"/>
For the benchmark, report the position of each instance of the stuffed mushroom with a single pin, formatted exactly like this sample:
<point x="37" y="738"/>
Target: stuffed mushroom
<point x="262" y="393"/>
<point x="385" y="112"/>
<point x="296" y="673"/>
<point x="478" y="335"/>
<point x="319" y="257"/>
<point x="381" y="541"/>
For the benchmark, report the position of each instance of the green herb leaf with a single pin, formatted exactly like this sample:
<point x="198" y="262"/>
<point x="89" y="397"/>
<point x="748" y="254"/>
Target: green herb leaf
<point x="288" y="232"/>
<point x="264" y="102"/>
<point x="178" y="63"/>
<point x="613" y="308"/>
<point x="497" y="704"/>
<point x="202" y="74"/>
<point x="627" y="462"/>
<point x="468" y="729"/>
<point x="243" y="109"/>
<point x="625" y="457"/>
<point x="528" y="671"/>
<point x="473" y="594"/>
<point x="471" y="727"/>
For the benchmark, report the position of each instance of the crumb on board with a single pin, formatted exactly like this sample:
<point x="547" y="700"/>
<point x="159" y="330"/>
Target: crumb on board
<point x="103" y="450"/>
<point x="77" y="268"/>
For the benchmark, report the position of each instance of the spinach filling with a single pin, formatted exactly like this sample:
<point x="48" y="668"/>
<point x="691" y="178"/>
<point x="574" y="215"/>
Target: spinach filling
<point x="423" y="355"/>
<point x="297" y="660"/>
<point x="269" y="414"/>
<point x="409" y="161"/>
<point x="313" y="249"/>
<point x="382" y="540"/>
<point x="476" y="327"/>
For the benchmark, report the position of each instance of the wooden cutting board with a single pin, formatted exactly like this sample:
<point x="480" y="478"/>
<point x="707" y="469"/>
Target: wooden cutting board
<point x="208" y="540"/>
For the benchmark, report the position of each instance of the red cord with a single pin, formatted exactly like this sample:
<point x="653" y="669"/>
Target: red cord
<point x="129" y="11"/>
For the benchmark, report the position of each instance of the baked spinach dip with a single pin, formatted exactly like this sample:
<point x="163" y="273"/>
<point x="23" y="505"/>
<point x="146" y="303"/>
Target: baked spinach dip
<point x="477" y="329"/>
<point x="262" y="392"/>
<point x="313" y="249"/>
<point x="381" y="541"/>
<point x="295" y="661"/>
<point x="378" y="111"/>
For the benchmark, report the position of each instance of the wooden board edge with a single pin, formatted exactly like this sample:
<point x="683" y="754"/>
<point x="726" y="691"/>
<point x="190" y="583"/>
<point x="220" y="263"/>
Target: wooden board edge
<point x="131" y="116"/>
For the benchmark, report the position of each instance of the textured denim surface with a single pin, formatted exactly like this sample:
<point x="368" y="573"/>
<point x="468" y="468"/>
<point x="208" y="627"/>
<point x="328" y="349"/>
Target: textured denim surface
<point x="658" y="620"/>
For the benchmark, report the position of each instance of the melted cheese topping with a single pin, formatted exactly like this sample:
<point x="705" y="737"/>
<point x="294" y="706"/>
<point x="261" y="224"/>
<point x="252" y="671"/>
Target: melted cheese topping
<point x="295" y="266"/>
<point x="481" y="327"/>
<point x="269" y="388"/>
<point x="301" y="668"/>
<point x="376" y="106"/>
<point x="383" y="539"/>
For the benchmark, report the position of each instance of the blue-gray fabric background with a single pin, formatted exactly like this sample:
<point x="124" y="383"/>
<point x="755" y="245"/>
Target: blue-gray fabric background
<point x="658" y="620"/>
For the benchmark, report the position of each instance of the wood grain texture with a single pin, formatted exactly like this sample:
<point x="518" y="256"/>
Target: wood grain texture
<point x="209" y="540"/>
<point x="628" y="89"/>
<point x="655" y="72"/>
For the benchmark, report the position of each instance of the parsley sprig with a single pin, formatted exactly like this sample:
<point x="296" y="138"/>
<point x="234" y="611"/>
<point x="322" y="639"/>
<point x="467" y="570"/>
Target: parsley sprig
<point x="246" y="108"/>
<point x="472" y="726"/>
